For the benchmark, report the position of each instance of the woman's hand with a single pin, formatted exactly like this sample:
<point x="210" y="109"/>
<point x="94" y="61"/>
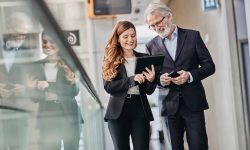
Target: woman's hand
<point x="139" y="78"/>
<point x="149" y="74"/>
<point x="32" y="82"/>
<point x="42" y="85"/>
<point x="36" y="84"/>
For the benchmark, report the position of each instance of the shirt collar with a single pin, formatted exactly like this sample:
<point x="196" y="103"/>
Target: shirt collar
<point x="174" y="34"/>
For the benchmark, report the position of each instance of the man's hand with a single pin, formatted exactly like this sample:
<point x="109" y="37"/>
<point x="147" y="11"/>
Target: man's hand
<point x="165" y="79"/>
<point x="183" y="78"/>
<point x="5" y="93"/>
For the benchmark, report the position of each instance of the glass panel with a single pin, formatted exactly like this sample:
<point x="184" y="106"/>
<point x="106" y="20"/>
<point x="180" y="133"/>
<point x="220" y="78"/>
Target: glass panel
<point x="47" y="101"/>
<point x="246" y="64"/>
<point x="9" y="118"/>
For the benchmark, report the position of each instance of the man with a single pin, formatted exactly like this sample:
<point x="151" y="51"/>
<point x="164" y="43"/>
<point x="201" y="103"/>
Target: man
<point x="184" y="102"/>
<point x="11" y="57"/>
<point x="13" y="129"/>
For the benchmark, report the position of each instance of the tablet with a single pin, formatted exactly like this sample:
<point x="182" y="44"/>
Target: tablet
<point x="147" y="61"/>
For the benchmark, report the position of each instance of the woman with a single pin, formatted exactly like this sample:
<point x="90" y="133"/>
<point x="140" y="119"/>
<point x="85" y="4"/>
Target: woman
<point x="58" y="116"/>
<point x="128" y="112"/>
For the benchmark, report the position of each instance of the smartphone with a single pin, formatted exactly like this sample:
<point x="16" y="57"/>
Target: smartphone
<point x="9" y="86"/>
<point x="173" y="74"/>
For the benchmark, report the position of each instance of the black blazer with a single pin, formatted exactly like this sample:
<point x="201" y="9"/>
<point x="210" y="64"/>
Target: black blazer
<point x="16" y="75"/>
<point x="191" y="55"/>
<point x="65" y="91"/>
<point x="118" y="87"/>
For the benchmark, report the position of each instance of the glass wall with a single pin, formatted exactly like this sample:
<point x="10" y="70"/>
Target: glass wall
<point x="245" y="57"/>
<point x="47" y="101"/>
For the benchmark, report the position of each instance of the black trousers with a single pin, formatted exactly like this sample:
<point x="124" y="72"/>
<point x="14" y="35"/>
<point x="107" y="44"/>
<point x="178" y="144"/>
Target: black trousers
<point x="132" y="122"/>
<point x="194" y="125"/>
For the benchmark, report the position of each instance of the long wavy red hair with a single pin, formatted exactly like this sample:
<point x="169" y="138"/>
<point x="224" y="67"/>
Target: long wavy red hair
<point x="61" y="63"/>
<point x="113" y="55"/>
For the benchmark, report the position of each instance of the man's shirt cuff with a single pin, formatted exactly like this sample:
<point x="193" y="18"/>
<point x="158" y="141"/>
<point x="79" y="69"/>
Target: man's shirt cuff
<point x="162" y="84"/>
<point x="190" y="78"/>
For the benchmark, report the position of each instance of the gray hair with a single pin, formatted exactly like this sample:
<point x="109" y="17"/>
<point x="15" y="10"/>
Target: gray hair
<point x="157" y="6"/>
<point x="20" y="22"/>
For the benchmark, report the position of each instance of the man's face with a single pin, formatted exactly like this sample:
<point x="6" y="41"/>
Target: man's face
<point x="15" y="40"/>
<point x="160" y="24"/>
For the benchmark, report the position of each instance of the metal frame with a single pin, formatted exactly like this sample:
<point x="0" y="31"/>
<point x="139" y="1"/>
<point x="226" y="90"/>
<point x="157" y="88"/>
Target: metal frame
<point x="244" y="93"/>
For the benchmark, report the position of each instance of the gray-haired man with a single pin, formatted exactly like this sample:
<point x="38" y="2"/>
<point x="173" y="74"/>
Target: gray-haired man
<point x="13" y="129"/>
<point x="185" y="53"/>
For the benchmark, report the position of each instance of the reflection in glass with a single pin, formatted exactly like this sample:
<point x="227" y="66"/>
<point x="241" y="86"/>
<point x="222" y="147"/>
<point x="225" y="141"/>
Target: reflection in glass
<point x="12" y="79"/>
<point x="55" y="83"/>
<point x="40" y="82"/>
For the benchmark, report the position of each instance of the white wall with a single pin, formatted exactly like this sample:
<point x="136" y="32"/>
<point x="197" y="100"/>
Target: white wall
<point x="240" y="16"/>
<point x="99" y="31"/>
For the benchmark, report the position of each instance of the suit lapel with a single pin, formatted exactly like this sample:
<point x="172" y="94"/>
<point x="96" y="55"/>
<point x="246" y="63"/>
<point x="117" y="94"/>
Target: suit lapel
<point x="2" y="66"/>
<point x="180" y="42"/>
<point x="42" y="71"/>
<point x="161" y="45"/>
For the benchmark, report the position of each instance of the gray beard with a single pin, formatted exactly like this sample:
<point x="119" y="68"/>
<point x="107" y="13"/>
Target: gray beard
<point x="165" y="33"/>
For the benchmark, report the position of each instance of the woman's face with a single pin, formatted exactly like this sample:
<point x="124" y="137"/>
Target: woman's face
<point x="128" y="40"/>
<point x="49" y="48"/>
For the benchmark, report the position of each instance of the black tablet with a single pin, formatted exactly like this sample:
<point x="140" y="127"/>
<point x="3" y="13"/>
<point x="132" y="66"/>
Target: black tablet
<point x="147" y="61"/>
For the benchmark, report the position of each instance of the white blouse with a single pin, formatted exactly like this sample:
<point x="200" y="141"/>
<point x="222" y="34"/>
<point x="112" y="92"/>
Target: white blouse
<point x="51" y="70"/>
<point x="130" y="68"/>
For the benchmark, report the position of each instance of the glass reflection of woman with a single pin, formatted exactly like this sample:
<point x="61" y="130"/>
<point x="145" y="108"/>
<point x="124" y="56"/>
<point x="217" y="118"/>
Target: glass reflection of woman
<point x="58" y="116"/>
<point x="128" y="112"/>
